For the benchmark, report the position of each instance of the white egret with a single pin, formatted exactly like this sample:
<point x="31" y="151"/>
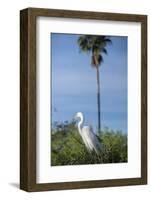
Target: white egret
<point x="88" y="136"/>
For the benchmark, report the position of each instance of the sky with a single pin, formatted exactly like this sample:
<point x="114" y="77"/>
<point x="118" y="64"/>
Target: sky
<point x="74" y="82"/>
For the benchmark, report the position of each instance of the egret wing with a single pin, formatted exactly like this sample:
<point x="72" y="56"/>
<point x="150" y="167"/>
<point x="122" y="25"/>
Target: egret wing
<point x="91" y="139"/>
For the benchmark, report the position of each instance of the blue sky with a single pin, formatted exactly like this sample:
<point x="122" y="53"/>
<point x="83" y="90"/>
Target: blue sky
<point x="74" y="82"/>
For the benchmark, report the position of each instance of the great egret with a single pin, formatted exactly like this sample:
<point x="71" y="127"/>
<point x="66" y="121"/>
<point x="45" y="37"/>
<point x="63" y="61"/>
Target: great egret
<point x="88" y="136"/>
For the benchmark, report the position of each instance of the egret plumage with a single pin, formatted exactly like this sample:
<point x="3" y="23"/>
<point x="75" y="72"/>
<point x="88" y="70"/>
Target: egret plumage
<point x="88" y="136"/>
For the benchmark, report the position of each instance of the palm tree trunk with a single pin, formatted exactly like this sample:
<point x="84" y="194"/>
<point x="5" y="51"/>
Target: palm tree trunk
<point x="98" y="99"/>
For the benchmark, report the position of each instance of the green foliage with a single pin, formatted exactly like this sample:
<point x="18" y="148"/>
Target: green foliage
<point x="67" y="147"/>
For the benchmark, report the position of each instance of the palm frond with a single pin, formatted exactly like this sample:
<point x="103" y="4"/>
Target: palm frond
<point x="96" y="60"/>
<point x="95" y="44"/>
<point x="104" y="50"/>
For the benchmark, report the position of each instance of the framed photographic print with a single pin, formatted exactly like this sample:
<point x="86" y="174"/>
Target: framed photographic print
<point x="83" y="99"/>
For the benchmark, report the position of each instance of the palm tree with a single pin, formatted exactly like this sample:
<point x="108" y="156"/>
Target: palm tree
<point x="96" y="45"/>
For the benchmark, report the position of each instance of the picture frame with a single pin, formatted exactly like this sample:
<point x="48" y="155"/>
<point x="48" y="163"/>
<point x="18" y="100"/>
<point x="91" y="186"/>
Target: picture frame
<point x="29" y="98"/>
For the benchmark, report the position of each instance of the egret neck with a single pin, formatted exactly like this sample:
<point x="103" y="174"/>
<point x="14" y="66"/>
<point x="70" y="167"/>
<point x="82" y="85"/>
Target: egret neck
<point x="80" y="124"/>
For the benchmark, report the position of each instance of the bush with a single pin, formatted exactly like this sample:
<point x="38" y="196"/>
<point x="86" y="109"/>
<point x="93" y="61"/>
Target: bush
<point x="67" y="147"/>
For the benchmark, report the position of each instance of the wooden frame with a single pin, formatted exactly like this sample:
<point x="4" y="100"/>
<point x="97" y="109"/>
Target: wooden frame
<point x="28" y="99"/>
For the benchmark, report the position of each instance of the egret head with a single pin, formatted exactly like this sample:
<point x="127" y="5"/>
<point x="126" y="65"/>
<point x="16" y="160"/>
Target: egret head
<point x="78" y="116"/>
